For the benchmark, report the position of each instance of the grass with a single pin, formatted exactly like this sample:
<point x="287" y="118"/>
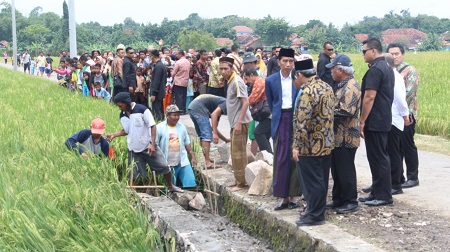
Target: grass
<point x="51" y="199"/>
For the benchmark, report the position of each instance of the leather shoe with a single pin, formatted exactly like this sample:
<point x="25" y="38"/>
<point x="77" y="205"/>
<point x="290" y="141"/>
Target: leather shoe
<point x="396" y="191"/>
<point x="331" y="206"/>
<point x="292" y="205"/>
<point x="410" y="183"/>
<point x="376" y="202"/>
<point x="281" y="206"/>
<point x="368" y="198"/>
<point x="308" y="221"/>
<point x="348" y="208"/>
<point x="367" y="189"/>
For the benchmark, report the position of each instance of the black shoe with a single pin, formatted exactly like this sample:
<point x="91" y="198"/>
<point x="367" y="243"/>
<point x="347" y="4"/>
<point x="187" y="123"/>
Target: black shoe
<point x="368" y="198"/>
<point x="376" y="202"/>
<point x="292" y="205"/>
<point x="410" y="183"/>
<point x="281" y="206"/>
<point x="348" y="208"/>
<point x="396" y="191"/>
<point x="331" y="206"/>
<point x="308" y="221"/>
<point x="367" y="189"/>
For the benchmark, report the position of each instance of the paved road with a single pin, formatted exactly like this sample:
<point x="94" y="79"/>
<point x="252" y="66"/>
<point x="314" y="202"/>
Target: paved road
<point x="434" y="172"/>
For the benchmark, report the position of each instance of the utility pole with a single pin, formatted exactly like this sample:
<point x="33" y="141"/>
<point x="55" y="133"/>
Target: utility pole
<point x="14" y="35"/>
<point x="72" y="29"/>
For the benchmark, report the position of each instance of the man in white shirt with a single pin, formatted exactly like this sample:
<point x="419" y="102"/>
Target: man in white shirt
<point x="140" y="128"/>
<point x="400" y="118"/>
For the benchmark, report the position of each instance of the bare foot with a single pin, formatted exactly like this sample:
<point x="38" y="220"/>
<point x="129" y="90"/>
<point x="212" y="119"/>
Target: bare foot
<point x="236" y="188"/>
<point x="231" y="184"/>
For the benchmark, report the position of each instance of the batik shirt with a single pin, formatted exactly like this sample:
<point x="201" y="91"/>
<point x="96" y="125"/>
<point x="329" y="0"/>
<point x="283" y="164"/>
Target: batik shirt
<point x="346" y="112"/>
<point x="411" y="78"/>
<point x="313" y="119"/>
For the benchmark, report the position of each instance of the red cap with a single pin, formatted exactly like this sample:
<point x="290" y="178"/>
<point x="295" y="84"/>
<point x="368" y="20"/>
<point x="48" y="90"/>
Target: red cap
<point x="98" y="126"/>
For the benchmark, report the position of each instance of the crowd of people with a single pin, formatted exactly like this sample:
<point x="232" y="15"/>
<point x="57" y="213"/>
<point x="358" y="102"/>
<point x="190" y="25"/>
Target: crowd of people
<point x="315" y="115"/>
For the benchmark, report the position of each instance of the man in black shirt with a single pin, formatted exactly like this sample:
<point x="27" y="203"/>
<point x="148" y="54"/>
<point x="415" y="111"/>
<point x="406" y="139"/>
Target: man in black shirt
<point x="158" y="85"/>
<point x="323" y="72"/>
<point x="377" y="94"/>
<point x="272" y="65"/>
<point x="129" y="71"/>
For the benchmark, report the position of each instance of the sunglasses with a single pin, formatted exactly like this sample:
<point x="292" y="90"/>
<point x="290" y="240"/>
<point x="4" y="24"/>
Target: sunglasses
<point x="330" y="50"/>
<point x="130" y="52"/>
<point x="364" y="51"/>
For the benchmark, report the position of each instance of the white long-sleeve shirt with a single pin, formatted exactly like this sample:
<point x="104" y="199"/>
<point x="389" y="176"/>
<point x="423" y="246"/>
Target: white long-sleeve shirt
<point x="399" y="105"/>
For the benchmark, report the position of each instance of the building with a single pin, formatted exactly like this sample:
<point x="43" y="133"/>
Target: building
<point x="224" y="42"/>
<point x="242" y="30"/>
<point x="409" y="37"/>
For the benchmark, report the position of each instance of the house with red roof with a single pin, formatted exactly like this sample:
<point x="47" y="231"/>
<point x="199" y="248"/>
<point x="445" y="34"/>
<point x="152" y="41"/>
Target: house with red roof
<point x="242" y="30"/>
<point x="409" y="37"/>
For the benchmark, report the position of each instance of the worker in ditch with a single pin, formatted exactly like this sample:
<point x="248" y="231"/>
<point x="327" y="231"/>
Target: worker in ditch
<point x="140" y="128"/>
<point x="90" y="141"/>
<point x="173" y="140"/>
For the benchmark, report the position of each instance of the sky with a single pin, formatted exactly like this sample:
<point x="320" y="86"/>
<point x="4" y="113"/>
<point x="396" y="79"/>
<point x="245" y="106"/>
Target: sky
<point x="109" y="12"/>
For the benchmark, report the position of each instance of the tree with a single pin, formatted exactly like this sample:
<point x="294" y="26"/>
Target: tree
<point x="273" y="31"/>
<point x="37" y="32"/>
<point x="36" y="11"/>
<point x="65" y="21"/>
<point x="197" y="39"/>
<point x="431" y="43"/>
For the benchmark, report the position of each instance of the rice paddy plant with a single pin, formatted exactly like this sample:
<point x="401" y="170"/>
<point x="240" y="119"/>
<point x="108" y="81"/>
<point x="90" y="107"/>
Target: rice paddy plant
<point x="51" y="198"/>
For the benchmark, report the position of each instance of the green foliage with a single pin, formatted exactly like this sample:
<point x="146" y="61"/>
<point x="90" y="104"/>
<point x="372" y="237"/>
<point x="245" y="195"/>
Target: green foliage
<point x="431" y="43"/>
<point x="37" y="32"/>
<point x="51" y="198"/>
<point x="197" y="39"/>
<point x="273" y="31"/>
<point x="65" y="21"/>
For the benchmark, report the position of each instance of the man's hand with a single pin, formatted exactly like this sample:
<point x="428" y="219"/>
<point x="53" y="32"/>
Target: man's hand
<point x="109" y="137"/>
<point x="160" y="42"/>
<point x="152" y="98"/>
<point x="193" y="160"/>
<point x="238" y="129"/>
<point x="407" y="121"/>
<point x="361" y="129"/>
<point x="85" y="155"/>
<point x="131" y="90"/>
<point x="215" y="138"/>
<point x="295" y="154"/>
<point x="151" y="149"/>
<point x="227" y="140"/>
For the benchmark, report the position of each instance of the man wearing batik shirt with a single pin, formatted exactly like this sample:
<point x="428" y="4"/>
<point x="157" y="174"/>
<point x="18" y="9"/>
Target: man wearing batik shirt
<point x="202" y="72"/>
<point x="313" y="139"/>
<point x="237" y="65"/>
<point x="346" y="135"/>
<point x="409" y="149"/>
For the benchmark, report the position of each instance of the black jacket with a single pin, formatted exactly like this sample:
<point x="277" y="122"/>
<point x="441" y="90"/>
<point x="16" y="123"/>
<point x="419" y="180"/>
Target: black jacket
<point x="272" y="66"/>
<point x="129" y="73"/>
<point x="323" y="72"/>
<point x="158" y="81"/>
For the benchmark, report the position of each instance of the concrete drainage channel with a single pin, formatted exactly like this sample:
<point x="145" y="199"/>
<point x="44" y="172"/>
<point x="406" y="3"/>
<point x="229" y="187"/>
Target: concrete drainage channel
<point x="275" y="231"/>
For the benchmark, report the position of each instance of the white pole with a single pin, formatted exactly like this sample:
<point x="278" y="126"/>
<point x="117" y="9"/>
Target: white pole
<point x="14" y="35"/>
<point x="72" y="29"/>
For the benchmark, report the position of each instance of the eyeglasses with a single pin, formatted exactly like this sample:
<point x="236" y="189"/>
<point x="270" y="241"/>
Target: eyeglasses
<point x="277" y="51"/>
<point x="130" y="52"/>
<point x="330" y="50"/>
<point x="364" y="51"/>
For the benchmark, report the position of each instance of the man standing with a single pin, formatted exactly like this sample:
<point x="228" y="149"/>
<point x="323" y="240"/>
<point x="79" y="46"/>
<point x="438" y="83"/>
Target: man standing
<point x="323" y="72"/>
<point x="116" y="71"/>
<point x="272" y="65"/>
<point x="281" y="94"/>
<point x="41" y="62"/>
<point x="376" y="118"/>
<point x="139" y="127"/>
<point x="90" y="141"/>
<point x="180" y="76"/>
<point x="400" y="119"/>
<point x="129" y="71"/>
<point x="346" y="135"/>
<point x="26" y="62"/>
<point x="409" y="149"/>
<point x="215" y="83"/>
<point x="158" y="85"/>
<point x="313" y="139"/>
<point x="202" y="71"/>
<point x="258" y="95"/>
<point x="173" y="140"/>
<point x="239" y="118"/>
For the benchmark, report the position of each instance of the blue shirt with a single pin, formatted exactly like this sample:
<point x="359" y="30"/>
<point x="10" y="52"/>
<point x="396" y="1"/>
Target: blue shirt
<point x="162" y="140"/>
<point x="102" y="93"/>
<point x="83" y="141"/>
